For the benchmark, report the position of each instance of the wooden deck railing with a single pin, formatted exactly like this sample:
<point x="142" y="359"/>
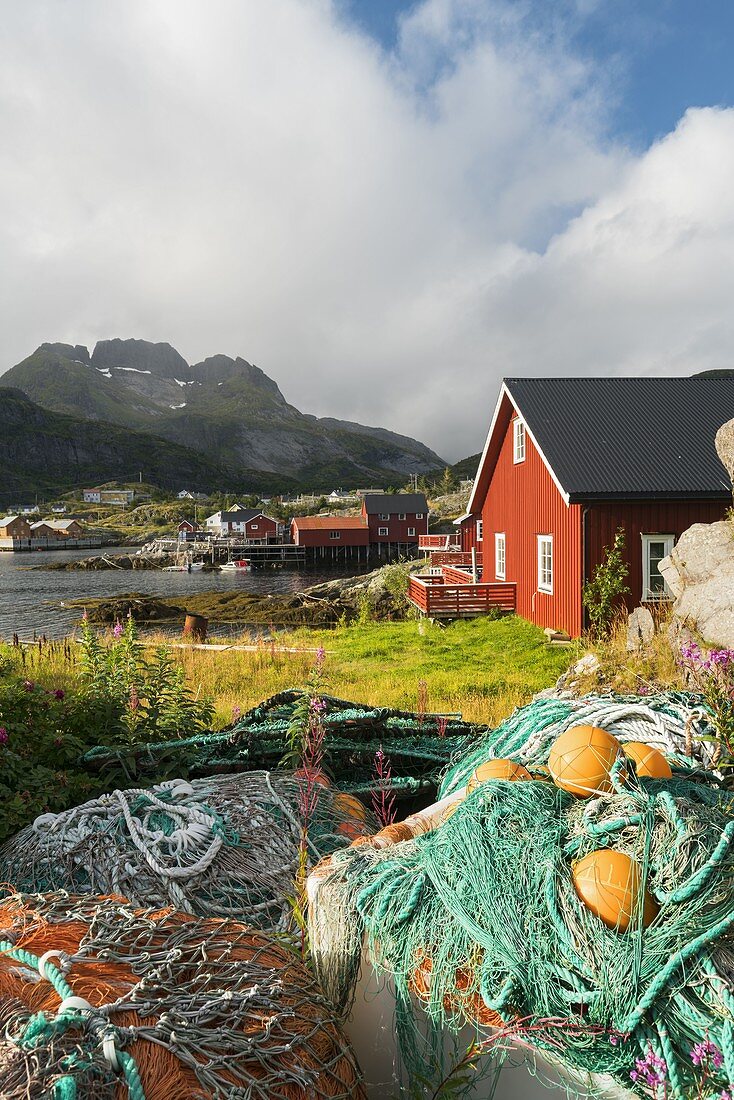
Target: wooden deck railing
<point x="452" y="575"/>
<point x="438" y="542"/>
<point x="434" y="597"/>
<point x="460" y="558"/>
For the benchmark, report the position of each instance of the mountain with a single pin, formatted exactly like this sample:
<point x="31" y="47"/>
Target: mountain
<point x="226" y="408"/>
<point x="48" y="453"/>
<point x="467" y="467"/>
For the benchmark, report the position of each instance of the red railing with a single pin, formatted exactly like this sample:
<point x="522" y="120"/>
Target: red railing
<point x="460" y="558"/>
<point x="438" y="542"/>
<point x="433" y="596"/>
<point x="452" y="575"/>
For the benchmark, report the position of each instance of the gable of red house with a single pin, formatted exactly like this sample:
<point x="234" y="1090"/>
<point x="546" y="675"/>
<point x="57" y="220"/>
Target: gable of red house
<point x="569" y="461"/>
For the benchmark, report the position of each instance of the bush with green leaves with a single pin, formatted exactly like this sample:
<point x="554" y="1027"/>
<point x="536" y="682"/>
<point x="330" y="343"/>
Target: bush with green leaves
<point x="602" y="595"/>
<point x="118" y="697"/>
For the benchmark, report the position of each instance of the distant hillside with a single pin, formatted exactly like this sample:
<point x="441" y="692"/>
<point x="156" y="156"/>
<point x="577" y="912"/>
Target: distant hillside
<point x="226" y="408"/>
<point x="49" y="453"/>
<point x="467" y="467"/>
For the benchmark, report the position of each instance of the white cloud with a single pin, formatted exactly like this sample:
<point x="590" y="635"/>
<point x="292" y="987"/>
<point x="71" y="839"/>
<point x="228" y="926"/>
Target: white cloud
<point x="386" y="235"/>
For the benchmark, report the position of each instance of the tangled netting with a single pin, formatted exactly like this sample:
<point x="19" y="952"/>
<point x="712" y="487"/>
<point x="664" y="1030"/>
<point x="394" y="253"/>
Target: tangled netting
<point x="227" y="846"/>
<point x="479" y="918"/>
<point x="419" y="746"/>
<point x="99" y="1001"/>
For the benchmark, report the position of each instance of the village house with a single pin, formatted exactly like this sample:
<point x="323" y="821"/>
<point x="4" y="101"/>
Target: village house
<point x="108" y="496"/>
<point x="66" y="528"/>
<point x="336" y="532"/>
<point x="14" y="527"/>
<point x="188" y="529"/>
<point x="397" y="519"/>
<point x="568" y="462"/>
<point x="252" y="523"/>
<point x="44" y="530"/>
<point x="91" y="496"/>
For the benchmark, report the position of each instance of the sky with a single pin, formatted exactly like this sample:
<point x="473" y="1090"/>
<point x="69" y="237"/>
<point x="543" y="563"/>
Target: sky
<point x="387" y="205"/>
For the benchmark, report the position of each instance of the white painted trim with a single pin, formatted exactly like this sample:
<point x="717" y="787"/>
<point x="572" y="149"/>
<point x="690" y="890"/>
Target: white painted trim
<point x="517" y="423"/>
<point x="541" y="539"/>
<point x="503" y="575"/>
<point x="504" y="390"/>
<point x="479" y="527"/>
<point x="647" y="596"/>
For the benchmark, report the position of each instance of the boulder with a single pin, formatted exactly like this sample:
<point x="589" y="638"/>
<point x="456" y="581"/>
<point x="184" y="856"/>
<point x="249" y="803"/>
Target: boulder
<point x="725" y="447"/>
<point x="700" y="574"/>
<point x="640" y="629"/>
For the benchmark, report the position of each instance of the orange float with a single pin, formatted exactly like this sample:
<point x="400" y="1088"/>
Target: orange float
<point x="581" y="759"/>
<point x="349" y="805"/>
<point x="496" y="769"/>
<point x="648" y="761"/>
<point x="609" y="883"/>
<point x="312" y="775"/>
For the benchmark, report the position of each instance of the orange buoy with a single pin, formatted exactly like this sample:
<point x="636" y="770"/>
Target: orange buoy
<point x="353" y="829"/>
<point x="581" y="759"/>
<point x="312" y="775"/>
<point x="496" y="769"/>
<point x="608" y="883"/>
<point x="350" y="806"/>
<point x="648" y="761"/>
<point x="460" y="999"/>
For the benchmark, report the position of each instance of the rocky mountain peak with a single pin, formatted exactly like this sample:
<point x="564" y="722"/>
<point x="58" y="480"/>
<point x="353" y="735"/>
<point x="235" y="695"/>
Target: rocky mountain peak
<point x="75" y="352"/>
<point x="161" y="360"/>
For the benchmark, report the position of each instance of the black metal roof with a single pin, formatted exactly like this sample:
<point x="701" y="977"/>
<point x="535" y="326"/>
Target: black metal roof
<point x="621" y="438"/>
<point x="389" y="503"/>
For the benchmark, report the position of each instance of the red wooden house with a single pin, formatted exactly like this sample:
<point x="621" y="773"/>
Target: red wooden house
<point x="335" y="531"/>
<point x="397" y="518"/>
<point x="568" y="461"/>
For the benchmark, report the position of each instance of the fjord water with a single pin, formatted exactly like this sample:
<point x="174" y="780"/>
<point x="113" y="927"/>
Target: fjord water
<point x="36" y="600"/>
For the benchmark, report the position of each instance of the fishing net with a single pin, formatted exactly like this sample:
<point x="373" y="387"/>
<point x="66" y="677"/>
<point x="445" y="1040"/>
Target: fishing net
<point x="419" y="746"/>
<point x="99" y="1000"/>
<point x="478" y="919"/>
<point x="226" y="846"/>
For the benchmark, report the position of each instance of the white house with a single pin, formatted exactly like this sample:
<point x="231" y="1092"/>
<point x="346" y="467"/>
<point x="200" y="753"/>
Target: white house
<point x="92" y="496"/>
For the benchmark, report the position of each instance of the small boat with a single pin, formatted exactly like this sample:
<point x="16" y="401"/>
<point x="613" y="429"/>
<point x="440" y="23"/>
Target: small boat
<point x="242" y="565"/>
<point x="187" y="567"/>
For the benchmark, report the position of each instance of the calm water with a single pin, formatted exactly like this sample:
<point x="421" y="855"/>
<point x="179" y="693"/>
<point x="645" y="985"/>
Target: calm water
<point x="35" y="599"/>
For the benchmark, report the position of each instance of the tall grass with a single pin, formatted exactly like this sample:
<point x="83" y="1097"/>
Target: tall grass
<point x="480" y="668"/>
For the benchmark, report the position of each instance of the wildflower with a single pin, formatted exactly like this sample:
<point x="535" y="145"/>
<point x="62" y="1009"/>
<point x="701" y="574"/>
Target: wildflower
<point x="58" y="742"/>
<point x="650" y="1070"/>
<point x="707" y="1054"/>
<point x="320" y="657"/>
<point x="4" y="736"/>
<point x="28" y="685"/>
<point x="236" y="714"/>
<point x="118" y="630"/>
<point x="59" y="694"/>
<point x="690" y="651"/>
<point x="318" y="706"/>
<point x="726" y="1094"/>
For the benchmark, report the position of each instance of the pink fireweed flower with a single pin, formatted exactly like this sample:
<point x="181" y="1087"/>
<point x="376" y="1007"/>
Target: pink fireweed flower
<point x="4" y="736"/>
<point x="28" y="685"/>
<point x="707" y="1054"/>
<point x="59" y="694"/>
<point x="236" y="714"/>
<point x="650" y="1070"/>
<point x="118" y="630"/>
<point x="320" y="657"/>
<point x="318" y="706"/>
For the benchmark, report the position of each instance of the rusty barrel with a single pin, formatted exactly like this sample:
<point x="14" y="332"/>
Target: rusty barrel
<point x="195" y="627"/>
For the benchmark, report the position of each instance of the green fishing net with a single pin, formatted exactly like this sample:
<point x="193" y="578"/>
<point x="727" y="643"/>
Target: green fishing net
<point x="479" y="918"/>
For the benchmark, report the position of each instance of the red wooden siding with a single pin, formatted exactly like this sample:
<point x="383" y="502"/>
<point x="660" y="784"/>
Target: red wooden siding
<point x="648" y="517"/>
<point x="523" y="502"/>
<point x="459" y="601"/>
<point x="468" y="529"/>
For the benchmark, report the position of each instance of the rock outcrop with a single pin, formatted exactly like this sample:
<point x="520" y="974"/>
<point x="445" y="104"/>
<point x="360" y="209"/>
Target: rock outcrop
<point x="640" y="629"/>
<point x="700" y="574"/>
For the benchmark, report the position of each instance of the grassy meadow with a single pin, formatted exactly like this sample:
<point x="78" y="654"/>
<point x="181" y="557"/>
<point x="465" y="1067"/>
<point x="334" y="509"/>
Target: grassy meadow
<point x="480" y="668"/>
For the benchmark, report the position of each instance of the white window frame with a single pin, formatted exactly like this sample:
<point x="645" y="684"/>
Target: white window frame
<point x="402" y="515"/>
<point x="382" y="531"/>
<point x="519" y="439"/>
<point x="254" y="526"/>
<point x="419" y="515"/>
<point x="335" y="534"/>
<point x="647" y="595"/>
<point x="500" y="556"/>
<point x="480" y="530"/>
<point x="543" y="584"/>
<point x="384" y="515"/>
<point x="411" y="532"/>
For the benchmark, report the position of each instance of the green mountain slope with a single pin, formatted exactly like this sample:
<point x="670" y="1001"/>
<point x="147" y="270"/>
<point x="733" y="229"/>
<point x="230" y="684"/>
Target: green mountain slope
<point x="467" y="467"/>
<point x="226" y="408"/>
<point x="47" y="452"/>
